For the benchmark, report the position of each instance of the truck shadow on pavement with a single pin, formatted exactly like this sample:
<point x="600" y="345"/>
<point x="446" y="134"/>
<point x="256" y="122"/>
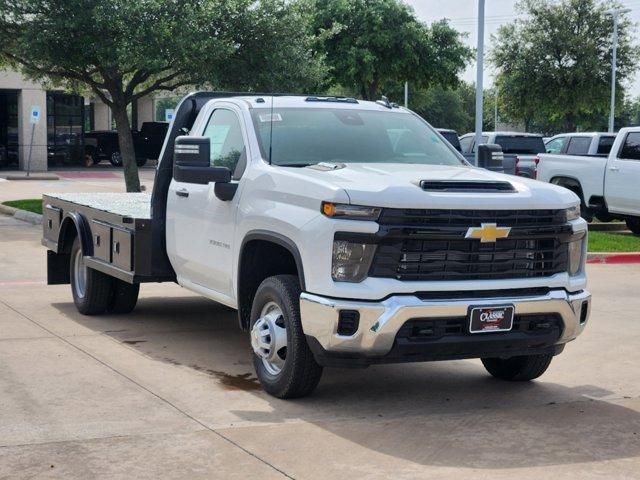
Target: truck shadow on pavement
<point x="449" y="414"/>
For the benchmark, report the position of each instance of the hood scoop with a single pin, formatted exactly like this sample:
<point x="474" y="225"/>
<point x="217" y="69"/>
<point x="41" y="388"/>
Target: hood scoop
<point x="466" y="186"/>
<point x="327" y="166"/>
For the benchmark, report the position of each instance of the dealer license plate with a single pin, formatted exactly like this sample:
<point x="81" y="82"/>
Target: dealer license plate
<point x="491" y="319"/>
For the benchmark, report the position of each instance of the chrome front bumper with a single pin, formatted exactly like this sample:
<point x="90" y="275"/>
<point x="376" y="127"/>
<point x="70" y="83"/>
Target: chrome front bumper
<point x="380" y="321"/>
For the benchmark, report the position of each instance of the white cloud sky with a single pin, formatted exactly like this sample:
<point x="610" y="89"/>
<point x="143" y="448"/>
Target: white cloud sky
<point x="463" y="16"/>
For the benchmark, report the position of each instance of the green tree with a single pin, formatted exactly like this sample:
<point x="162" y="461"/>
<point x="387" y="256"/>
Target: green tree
<point x="442" y="107"/>
<point x="122" y="50"/>
<point x="629" y="114"/>
<point x="554" y="64"/>
<point x="375" y="45"/>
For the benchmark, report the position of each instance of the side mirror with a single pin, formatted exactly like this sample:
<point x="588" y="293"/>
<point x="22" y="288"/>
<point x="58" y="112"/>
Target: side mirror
<point x="192" y="151"/>
<point x="490" y="156"/>
<point x="191" y="164"/>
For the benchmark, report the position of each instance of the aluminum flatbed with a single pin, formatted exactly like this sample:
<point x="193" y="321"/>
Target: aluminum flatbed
<point x="117" y="234"/>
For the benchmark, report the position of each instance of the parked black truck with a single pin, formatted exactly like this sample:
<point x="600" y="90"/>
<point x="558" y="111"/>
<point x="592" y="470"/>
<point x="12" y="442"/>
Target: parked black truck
<point x="103" y="144"/>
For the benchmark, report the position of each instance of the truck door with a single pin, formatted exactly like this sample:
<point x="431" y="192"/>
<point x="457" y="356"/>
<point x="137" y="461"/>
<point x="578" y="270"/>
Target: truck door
<point x="622" y="177"/>
<point x="203" y="225"/>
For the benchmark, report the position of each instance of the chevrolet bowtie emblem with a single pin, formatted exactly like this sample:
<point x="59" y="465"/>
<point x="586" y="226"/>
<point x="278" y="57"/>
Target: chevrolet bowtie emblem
<point x="488" y="232"/>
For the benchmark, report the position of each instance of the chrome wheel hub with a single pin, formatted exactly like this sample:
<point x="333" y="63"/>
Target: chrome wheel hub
<point x="269" y="338"/>
<point x="79" y="274"/>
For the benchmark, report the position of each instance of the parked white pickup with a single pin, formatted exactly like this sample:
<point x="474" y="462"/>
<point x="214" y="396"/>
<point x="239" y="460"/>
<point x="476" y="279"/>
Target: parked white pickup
<point x="583" y="143"/>
<point x="345" y="233"/>
<point x="607" y="186"/>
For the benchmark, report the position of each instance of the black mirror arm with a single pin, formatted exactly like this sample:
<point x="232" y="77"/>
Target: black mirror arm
<point x="225" y="191"/>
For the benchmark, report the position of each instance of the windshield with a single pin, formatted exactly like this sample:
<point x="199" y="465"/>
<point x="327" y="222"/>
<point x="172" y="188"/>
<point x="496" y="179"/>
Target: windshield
<point x="521" y="144"/>
<point x="306" y="136"/>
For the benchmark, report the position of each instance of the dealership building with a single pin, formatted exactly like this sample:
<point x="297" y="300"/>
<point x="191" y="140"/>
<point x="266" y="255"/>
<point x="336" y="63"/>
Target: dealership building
<point x="57" y="139"/>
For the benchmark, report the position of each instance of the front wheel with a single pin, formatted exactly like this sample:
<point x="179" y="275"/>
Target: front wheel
<point x="116" y="159"/>
<point x="633" y="223"/>
<point x="283" y="361"/>
<point x="518" y="369"/>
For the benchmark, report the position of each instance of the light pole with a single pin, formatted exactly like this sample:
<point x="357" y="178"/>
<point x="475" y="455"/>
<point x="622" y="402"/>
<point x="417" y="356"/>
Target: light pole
<point x="615" y="14"/>
<point x="406" y="94"/>
<point x="479" y="76"/>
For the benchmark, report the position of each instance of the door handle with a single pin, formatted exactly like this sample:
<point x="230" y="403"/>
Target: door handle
<point x="182" y="193"/>
<point x="614" y="169"/>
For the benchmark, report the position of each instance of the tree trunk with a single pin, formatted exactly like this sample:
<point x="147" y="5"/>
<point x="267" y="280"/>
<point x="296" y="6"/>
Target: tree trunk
<point x="569" y="123"/>
<point x="363" y="91"/>
<point x="373" y="91"/>
<point x="127" y="150"/>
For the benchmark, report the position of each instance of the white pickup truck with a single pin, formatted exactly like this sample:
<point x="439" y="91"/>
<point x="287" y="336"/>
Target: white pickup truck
<point x="581" y="143"/>
<point x="345" y="233"/>
<point x="606" y="184"/>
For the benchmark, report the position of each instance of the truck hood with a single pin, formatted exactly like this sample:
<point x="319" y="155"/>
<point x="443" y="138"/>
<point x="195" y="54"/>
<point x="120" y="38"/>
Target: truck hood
<point x="398" y="186"/>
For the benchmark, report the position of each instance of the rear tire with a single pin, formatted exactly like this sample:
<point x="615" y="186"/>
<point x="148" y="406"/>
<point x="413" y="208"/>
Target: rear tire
<point x="91" y="290"/>
<point x="518" y="369"/>
<point x="124" y="297"/>
<point x="296" y="373"/>
<point x="604" y="217"/>
<point x="633" y="223"/>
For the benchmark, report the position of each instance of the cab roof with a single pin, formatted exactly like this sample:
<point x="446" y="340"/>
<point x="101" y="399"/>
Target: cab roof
<point x="314" y="101"/>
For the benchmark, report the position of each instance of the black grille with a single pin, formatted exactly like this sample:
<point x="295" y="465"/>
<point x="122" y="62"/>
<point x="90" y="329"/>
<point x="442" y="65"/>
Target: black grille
<point x="469" y="259"/>
<point x="421" y="329"/>
<point x="419" y="245"/>
<point x="483" y="294"/>
<point x="408" y="217"/>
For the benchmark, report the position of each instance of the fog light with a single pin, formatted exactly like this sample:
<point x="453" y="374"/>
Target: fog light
<point x="576" y="248"/>
<point x="351" y="261"/>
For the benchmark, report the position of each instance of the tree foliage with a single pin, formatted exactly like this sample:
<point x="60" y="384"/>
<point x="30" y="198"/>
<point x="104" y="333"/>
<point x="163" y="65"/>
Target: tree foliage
<point x="374" y="45"/>
<point x="554" y="64"/>
<point x="122" y="50"/>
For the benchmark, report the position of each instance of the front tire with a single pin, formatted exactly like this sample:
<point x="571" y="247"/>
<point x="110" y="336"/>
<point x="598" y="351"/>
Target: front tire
<point x="633" y="224"/>
<point x="518" y="369"/>
<point x="284" y="364"/>
<point x="116" y="159"/>
<point x="91" y="290"/>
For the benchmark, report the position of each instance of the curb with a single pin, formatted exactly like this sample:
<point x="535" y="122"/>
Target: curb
<point x="25" y="216"/>
<point x="32" y="177"/>
<point x="613" y="258"/>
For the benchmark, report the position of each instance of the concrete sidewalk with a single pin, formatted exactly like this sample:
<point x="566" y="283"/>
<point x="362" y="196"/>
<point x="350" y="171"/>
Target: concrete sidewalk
<point x="169" y="392"/>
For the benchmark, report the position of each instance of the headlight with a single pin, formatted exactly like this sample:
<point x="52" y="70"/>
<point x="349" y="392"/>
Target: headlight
<point x="350" y="212"/>
<point x="576" y="248"/>
<point x="351" y="261"/>
<point x="573" y="213"/>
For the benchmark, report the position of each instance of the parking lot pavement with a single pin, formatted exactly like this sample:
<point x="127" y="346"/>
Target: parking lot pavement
<point x="168" y="391"/>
